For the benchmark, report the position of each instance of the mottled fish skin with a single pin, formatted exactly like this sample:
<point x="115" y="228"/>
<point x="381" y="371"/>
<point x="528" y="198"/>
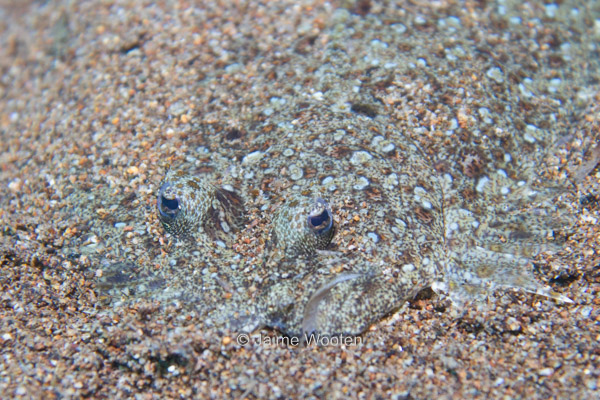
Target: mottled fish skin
<point x="303" y="226"/>
<point x="388" y="237"/>
<point x="188" y="205"/>
<point x="396" y="228"/>
<point x="398" y="225"/>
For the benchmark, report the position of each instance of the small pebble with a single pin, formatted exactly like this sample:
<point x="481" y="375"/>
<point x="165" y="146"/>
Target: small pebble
<point x="373" y="236"/>
<point x="496" y="74"/>
<point x="551" y="10"/>
<point x="399" y="28"/>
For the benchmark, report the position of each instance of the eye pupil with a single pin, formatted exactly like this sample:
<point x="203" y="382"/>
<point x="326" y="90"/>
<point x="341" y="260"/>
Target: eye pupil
<point x="170" y="204"/>
<point x="321" y="221"/>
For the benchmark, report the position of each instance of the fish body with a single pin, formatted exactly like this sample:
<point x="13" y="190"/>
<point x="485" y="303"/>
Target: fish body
<point x="331" y="236"/>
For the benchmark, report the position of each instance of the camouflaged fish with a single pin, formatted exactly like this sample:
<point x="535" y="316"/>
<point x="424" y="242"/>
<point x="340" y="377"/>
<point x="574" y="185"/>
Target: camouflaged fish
<point x="336" y="200"/>
<point x="333" y="237"/>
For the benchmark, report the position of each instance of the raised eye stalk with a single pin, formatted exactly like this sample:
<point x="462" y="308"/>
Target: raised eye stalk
<point x="302" y="226"/>
<point x="189" y="206"/>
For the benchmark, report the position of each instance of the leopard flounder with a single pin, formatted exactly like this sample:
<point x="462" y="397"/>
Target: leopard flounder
<point x="334" y="236"/>
<point x="354" y="185"/>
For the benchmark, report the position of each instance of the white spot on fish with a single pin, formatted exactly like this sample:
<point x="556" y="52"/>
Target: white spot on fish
<point x="481" y="184"/>
<point x="253" y="157"/>
<point x="295" y="172"/>
<point x="408" y="268"/>
<point x="360" y="157"/>
<point x="361" y="183"/>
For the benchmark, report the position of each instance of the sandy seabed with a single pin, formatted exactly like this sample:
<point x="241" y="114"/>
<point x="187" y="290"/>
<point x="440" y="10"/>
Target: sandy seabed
<point x="110" y="91"/>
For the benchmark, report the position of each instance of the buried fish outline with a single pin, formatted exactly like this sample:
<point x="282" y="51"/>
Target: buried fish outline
<point x="332" y="237"/>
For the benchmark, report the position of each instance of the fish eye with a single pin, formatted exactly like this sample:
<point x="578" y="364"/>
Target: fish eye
<point x="302" y="226"/>
<point x="319" y="219"/>
<point x="168" y="203"/>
